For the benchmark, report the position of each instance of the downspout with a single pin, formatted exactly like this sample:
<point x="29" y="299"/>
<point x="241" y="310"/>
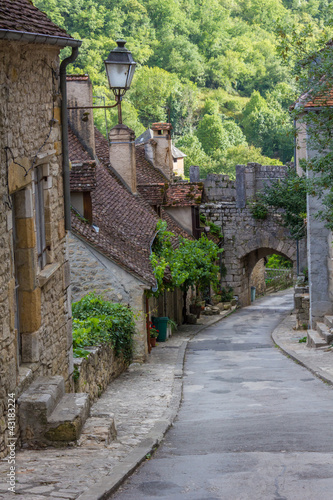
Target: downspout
<point x="64" y="135"/>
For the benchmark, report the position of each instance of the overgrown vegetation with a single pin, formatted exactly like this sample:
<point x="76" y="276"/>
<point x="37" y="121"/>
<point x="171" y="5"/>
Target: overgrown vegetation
<point x="212" y="62"/>
<point x="97" y="321"/>
<point x="287" y="196"/>
<point x="191" y="263"/>
<point x="214" y="229"/>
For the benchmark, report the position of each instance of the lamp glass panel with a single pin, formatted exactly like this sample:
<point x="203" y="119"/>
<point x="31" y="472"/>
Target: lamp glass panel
<point x="130" y="75"/>
<point x="117" y="75"/>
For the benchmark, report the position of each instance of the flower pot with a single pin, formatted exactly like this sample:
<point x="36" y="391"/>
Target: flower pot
<point x="195" y="309"/>
<point x="153" y="341"/>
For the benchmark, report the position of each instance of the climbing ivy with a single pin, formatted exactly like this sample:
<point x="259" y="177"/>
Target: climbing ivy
<point x="191" y="263"/>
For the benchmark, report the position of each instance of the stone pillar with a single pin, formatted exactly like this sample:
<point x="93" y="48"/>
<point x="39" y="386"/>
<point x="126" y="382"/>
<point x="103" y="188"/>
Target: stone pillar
<point x="240" y="186"/>
<point x="79" y="93"/>
<point x="122" y="154"/>
<point x="194" y="173"/>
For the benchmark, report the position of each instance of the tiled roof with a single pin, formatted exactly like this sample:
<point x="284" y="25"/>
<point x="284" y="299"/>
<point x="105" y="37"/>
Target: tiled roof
<point x="161" y="126"/>
<point x="173" y="226"/>
<point x="23" y="16"/>
<point x="83" y="177"/>
<point x="77" y="78"/>
<point x="126" y="225"/>
<point x="146" y="173"/>
<point x="177" y="153"/>
<point x="183" y="194"/>
<point x="154" y="194"/>
<point x="77" y="152"/>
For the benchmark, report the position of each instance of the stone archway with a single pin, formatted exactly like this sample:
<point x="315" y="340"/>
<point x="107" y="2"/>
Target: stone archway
<point x="249" y="253"/>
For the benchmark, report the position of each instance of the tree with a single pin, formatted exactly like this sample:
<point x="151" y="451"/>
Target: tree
<point x="191" y="263"/>
<point x="288" y="194"/>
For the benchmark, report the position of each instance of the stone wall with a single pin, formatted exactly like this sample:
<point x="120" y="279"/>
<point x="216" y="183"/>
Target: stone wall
<point x="258" y="277"/>
<point x="34" y="303"/>
<point x="94" y="373"/>
<point x="92" y="271"/>
<point x="246" y="241"/>
<point x="302" y="307"/>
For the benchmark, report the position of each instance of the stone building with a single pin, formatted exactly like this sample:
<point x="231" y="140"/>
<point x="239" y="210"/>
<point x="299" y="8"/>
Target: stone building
<point x="35" y="311"/>
<point x="319" y="240"/>
<point x="113" y="226"/>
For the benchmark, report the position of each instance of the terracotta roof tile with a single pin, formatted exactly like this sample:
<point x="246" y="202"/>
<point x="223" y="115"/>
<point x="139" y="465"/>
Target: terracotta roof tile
<point x="126" y="225"/>
<point x="161" y="126"/>
<point x="77" y="78"/>
<point x="183" y="194"/>
<point x="77" y="153"/>
<point x="146" y="173"/>
<point x="83" y="177"/>
<point x="23" y="16"/>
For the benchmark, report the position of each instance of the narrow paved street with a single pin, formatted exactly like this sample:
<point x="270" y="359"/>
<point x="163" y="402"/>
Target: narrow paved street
<point x="253" y="424"/>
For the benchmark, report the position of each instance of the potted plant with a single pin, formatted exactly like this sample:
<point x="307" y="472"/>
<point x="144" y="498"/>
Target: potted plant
<point x="153" y="335"/>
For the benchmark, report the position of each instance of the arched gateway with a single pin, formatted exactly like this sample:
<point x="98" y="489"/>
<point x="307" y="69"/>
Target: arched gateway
<point x="246" y="239"/>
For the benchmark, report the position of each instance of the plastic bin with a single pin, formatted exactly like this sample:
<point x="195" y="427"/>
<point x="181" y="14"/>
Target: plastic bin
<point x="253" y="293"/>
<point x="161" y="324"/>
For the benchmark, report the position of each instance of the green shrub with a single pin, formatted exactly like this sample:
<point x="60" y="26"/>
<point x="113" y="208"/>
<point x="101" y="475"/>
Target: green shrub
<point x="97" y="321"/>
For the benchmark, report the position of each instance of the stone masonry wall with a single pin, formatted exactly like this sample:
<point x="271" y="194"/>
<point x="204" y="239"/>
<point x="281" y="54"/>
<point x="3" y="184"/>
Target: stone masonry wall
<point x="94" y="373"/>
<point x="29" y="96"/>
<point x="258" y="277"/>
<point x="246" y="241"/>
<point x="91" y="271"/>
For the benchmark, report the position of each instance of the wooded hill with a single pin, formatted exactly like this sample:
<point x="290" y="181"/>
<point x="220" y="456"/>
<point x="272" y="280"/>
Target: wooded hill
<point x="212" y="67"/>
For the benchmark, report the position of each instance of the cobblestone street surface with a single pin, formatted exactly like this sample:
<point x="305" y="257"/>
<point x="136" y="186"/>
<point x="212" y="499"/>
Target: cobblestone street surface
<point x="144" y="401"/>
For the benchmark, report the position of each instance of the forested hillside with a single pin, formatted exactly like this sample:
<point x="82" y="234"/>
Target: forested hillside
<point x="210" y="66"/>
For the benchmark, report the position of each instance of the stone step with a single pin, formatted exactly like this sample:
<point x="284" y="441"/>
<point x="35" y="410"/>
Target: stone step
<point x="324" y="332"/>
<point x="328" y="320"/>
<point x="42" y="396"/>
<point x="65" y="423"/>
<point x="49" y="416"/>
<point x="98" y="431"/>
<point x="314" y="339"/>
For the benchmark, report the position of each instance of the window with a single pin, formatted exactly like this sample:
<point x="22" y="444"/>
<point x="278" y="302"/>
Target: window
<point x="40" y="217"/>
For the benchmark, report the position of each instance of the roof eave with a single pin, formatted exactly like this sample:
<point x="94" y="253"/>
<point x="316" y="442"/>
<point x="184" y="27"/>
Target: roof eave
<point x="25" y="36"/>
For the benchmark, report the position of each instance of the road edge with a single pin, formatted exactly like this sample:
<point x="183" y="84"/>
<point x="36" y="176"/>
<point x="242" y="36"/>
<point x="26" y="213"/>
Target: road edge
<point x="108" y="485"/>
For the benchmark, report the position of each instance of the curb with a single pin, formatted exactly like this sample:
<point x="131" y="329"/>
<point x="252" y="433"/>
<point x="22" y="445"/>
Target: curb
<point x="105" y="487"/>
<point x="298" y="358"/>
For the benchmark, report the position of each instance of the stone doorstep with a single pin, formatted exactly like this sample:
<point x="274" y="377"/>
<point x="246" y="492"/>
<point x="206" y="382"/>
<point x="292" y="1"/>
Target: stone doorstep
<point x="68" y="418"/>
<point x="48" y="415"/>
<point x="315" y="340"/>
<point x="98" y="430"/>
<point x="324" y="332"/>
<point x="42" y="395"/>
<point x="328" y="320"/>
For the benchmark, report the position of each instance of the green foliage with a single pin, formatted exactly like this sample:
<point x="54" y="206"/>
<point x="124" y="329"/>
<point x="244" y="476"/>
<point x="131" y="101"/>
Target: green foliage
<point x="191" y="263"/>
<point x="227" y="294"/>
<point x="96" y="321"/>
<point x="288" y="194"/>
<point x="278" y="262"/>
<point x="258" y="210"/>
<point x="214" y="229"/>
<point x="192" y="51"/>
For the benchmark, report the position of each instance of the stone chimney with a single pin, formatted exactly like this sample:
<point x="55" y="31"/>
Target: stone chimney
<point x="162" y="157"/>
<point x="79" y="93"/>
<point x="122" y="154"/>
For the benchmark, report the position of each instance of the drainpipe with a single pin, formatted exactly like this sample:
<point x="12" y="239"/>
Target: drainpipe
<point x="64" y="135"/>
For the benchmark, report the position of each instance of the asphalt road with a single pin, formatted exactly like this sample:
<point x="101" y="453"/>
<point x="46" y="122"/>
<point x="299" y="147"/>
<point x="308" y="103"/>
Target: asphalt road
<point x="252" y="425"/>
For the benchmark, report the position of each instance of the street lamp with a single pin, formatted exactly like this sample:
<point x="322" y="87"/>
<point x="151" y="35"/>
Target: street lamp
<point x="120" y="69"/>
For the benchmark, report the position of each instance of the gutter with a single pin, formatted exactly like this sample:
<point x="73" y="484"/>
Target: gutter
<point x="25" y="36"/>
<point x="64" y="133"/>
